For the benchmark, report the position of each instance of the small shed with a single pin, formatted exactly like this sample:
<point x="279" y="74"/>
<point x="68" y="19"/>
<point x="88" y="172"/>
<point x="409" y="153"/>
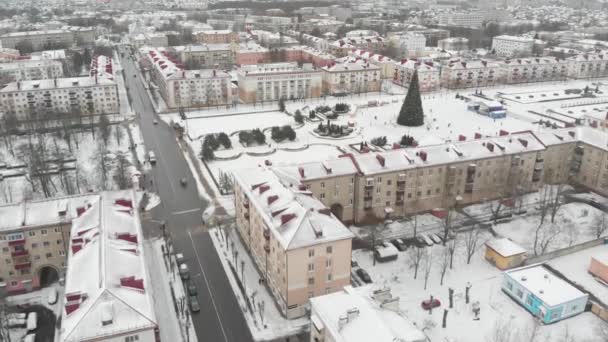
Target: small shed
<point x="504" y="253"/>
<point x="598" y="267"/>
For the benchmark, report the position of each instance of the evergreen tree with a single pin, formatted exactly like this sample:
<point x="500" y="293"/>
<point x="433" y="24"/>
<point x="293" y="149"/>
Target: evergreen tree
<point x="411" y="113"/>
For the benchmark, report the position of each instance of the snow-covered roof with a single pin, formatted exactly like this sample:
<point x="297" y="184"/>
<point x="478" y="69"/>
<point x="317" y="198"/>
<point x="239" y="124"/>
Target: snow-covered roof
<point x="102" y="67"/>
<point x="471" y="150"/>
<point x="107" y="289"/>
<point x="518" y="62"/>
<point x="601" y="257"/>
<point x="351" y="64"/>
<point x="202" y="47"/>
<point x="295" y="218"/>
<point x="274" y="68"/>
<point x="545" y="285"/>
<point x="316" y="170"/>
<point x="363" y="314"/>
<point x="418" y="65"/>
<point x="169" y="68"/>
<point x="505" y="247"/>
<point x="41" y="212"/>
<point x="515" y="38"/>
<point x="471" y="64"/>
<point x="57" y="83"/>
<point x="27" y="63"/>
<point x="371" y="56"/>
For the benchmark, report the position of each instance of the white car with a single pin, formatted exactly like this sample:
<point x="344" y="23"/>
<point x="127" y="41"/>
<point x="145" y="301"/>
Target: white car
<point x="52" y="298"/>
<point x="152" y="157"/>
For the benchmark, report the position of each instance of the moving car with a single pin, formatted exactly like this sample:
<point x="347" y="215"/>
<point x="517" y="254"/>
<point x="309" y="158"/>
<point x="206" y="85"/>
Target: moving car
<point x="427" y="304"/>
<point x="152" y="157"/>
<point x="184" y="272"/>
<point x="364" y="276"/>
<point x="155" y="122"/>
<point x="194" y="305"/>
<point x="183" y="182"/>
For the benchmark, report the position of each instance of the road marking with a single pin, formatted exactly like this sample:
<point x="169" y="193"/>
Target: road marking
<point x="185" y="211"/>
<point x="208" y="287"/>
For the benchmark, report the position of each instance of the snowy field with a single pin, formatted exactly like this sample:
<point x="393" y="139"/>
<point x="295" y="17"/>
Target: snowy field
<point x="574" y="224"/>
<point x="83" y="175"/>
<point x="499" y="315"/>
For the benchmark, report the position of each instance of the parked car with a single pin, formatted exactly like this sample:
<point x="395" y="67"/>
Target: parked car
<point x="426" y="239"/>
<point x="353" y="263"/>
<point x="194" y="305"/>
<point x="152" y="157"/>
<point x="364" y="276"/>
<point x="192" y="290"/>
<point x="436" y="238"/>
<point x="386" y="252"/>
<point x="427" y="304"/>
<point x="155" y="122"/>
<point x="401" y="246"/>
<point x="52" y="297"/>
<point x="183" y="182"/>
<point x="184" y="272"/>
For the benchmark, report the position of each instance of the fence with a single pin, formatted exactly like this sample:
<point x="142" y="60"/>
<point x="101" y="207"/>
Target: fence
<point x="565" y="251"/>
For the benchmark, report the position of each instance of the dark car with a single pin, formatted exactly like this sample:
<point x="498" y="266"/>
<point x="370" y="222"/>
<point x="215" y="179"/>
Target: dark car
<point x="353" y="263"/>
<point x="192" y="290"/>
<point x="428" y="304"/>
<point x="194" y="305"/>
<point x="364" y="276"/>
<point x="183" y="182"/>
<point x="399" y="244"/>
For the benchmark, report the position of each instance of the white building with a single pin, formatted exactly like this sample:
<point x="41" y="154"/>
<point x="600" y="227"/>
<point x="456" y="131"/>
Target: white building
<point x="361" y="314"/>
<point x="271" y="82"/>
<point x="589" y="65"/>
<point x="356" y="76"/>
<point x="410" y="44"/>
<point x="541" y="69"/>
<point x="454" y="44"/>
<point x="191" y="4"/>
<point x="187" y="88"/>
<point x="428" y="74"/>
<point x="385" y="63"/>
<point x="315" y="42"/>
<point x="470" y="74"/>
<point x="462" y="19"/>
<point x="87" y="95"/>
<point x="108" y="294"/>
<point x="40" y="39"/>
<point x="513" y="46"/>
<point x="25" y="70"/>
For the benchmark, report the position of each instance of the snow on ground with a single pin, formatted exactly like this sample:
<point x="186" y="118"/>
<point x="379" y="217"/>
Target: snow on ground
<point x="87" y="175"/>
<point x="273" y="325"/>
<point x="573" y="225"/>
<point x="496" y="308"/>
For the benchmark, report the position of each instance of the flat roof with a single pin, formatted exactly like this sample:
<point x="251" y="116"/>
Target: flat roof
<point x="505" y="247"/>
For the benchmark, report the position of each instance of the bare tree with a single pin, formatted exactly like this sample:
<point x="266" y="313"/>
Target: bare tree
<point x="415" y="258"/>
<point x="600" y="224"/>
<point x="471" y="240"/>
<point x="502" y="332"/>
<point x="428" y="265"/>
<point x="9" y="126"/>
<point x="118" y="134"/>
<point x="104" y="128"/>
<point x="531" y="332"/>
<point x="121" y="176"/>
<point x="102" y="159"/>
<point x="452" y="246"/>
<point x="555" y="202"/>
<point x="444" y="262"/>
<point x="447" y="223"/>
<point x="544" y="235"/>
<point x="495" y="208"/>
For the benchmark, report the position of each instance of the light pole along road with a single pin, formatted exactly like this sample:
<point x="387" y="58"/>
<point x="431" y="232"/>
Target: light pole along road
<point x="220" y="318"/>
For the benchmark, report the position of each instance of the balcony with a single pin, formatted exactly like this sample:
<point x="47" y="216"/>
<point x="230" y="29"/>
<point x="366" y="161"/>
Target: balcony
<point x="399" y="202"/>
<point x="468" y="188"/>
<point x="367" y="198"/>
<point x="23" y="265"/>
<point x="17" y="242"/>
<point x="20" y="253"/>
<point x="369" y="186"/>
<point x="367" y="205"/>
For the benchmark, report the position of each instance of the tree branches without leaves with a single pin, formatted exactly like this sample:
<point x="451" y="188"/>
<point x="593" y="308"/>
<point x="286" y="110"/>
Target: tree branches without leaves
<point x="415" y="258"/>
<point x="600" y="224"/>
<point x="471" y="242"/>
<point x="428" y="265"/>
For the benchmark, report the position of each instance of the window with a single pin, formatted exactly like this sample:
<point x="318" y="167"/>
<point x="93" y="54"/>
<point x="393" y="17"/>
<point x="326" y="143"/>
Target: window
<point x="329" y="277"/>
<point x="573" y="308"/>
<point x="59" y="242"/>
<point x="510" y="286"/>
<point x="32" y="233"/>
<point x="5" y="250"/>
<point x="529" y="300"/>
<point x="49" y="255"/>
<point x="328" y="263"/>
<point x="389" y="182"/>
<point x="25" y="271"/>
<point x="7" y="261"/>
<point x="311" y="294"/>
<point x="36" y="257"/>
<point x="43" y="231"/>
<point x="46" y="243"/>
<point x="311" y="253"/>
<point x="57" y="230"/>
<point x="311" y="267"/>
<point x="322" y="185"/>
<point x="311" y="281"/>
<point x="132" y="338"/>
<point x="322" y="195"/>
<point x="62" y="253"/>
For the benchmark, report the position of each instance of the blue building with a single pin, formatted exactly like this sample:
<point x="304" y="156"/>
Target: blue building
<point x="545" y="295"/>
<point x="492" y="109"/>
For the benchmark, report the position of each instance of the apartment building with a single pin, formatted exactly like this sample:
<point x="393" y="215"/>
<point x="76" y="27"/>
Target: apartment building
<point x="428" y="74"/>
<point x="216" y="36"/>
<point x="27" y="70"/>
<point x="589" y="65"/>
<point x="41" y="39"/>
<point x="462" y="19"/>
<point x="356" y="76"/>
<point x="454" y="44"/>
<point x="102" y="67"/>
<point x="410" y="44"/>
<point x="385" y="63"/>
<point x="34" y="240"/>
<point x="315" y="42"/>
<point x="299" y="247"/>
<point x="187" y="88"/>
<point x="108" y="294"/>
<point x="513" y="46"/>
<point x="306" y="54"/>
<point x="273" y="81"/>
<point x="432" y="35"/>
<point x="207" y="56"/>
<point x="361" y="314"/>
<point x="527" y="70"/>
<point x="86" y="95"/>
<point x="251" y="53"/>
<point x="341" y="47"/>
<point x="7" y="54"/>
<point x="469" y="74"/>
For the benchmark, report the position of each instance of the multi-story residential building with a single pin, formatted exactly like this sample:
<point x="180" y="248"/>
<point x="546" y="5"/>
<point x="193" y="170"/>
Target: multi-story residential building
<point x="341" y="47"/>
<point x="85" y="95"/>
<point x="251" y="53"/>
<point x="34" y="239"/>
<point x="513" y="46"/>
<point x="432" y="35"/>
<point x="541" y="69"/>
<point x="216" y="37"/>
<point x="359" y="315"/>
<point x="428" y="74"/>
<point x="387" y="65"/>
<point x="187" y="88"/>
<point x="7" y="54"/>
<point x="454" y="44"/>
<point x="410" y="44"/>
<point x="207" y="56"/>
<point x="300" y="248"/>
<point x="303" y="54"/>
<point x="476" y="73"/>
<point x="324" y="25"/>
<point x="462" y="19"/>
<point x="560" y="52"/>
<point x="315" y="42"/>
<point x="356" y="76"/>
<point x="589" y="65"/>
<point x="40" y="40"/>
<point x="271" y="82"/>
<point x="108" y="294"/>
<point x="102" y="67"/>
<point x="30" y="70"/>
<point x="192" y="4"/>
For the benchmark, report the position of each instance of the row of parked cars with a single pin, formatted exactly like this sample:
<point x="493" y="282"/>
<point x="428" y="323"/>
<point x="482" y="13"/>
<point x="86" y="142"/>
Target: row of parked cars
<point x="189" y="286"/>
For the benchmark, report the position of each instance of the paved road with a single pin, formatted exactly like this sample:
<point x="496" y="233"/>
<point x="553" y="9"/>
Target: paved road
<point x="220" y="318"/>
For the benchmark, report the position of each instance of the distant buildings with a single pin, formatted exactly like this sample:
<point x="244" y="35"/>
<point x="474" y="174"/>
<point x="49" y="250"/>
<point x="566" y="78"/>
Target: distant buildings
<point x="470" y="74"/>
<point x="589" y="65"/>
<point x="454" y="44"/>
<point x="27" y="70"/>
<point x="300" y="248"/>
<point x="107" y="289"/>
<point x="340" y="47"/>
<point x="216" y="37"/>
<point x="207" y="56"/>
<point x="410" y="44"/>
<point x="513" y="46"/>
<point x="547" y="296"/>
<point x="187" y="88"/>
<point x="361" y="314"/>
<point x="351" y="77"/>
<point x="41" y="40"/>
<point x="271" y="82"/>
<point x="462" y="19"/>
<point x="541" y="69"/>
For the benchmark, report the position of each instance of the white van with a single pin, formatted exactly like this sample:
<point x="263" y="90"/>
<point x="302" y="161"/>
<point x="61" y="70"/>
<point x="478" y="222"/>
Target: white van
<point x="152" y="157"/>
<point x="52" y="298"/>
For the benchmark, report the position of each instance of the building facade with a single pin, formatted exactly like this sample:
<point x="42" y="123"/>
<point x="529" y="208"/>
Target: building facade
<point x="30" y="70"/>
<point x="589" y="65"/>
<point x="528" y="70"/>
<point x="469" y="74"/>
<point x="273" y="81"/>
<point x="207" y="56"/>
<point x="428" y="74"/>
<point x="216" y="37"/>
<point x="454" y="44"/>
<point x="300" y="248"/>
<point x="462" y="19"/>
<point x="351" y="77"/>
<point x="513" y="46"/>
<point x="41" y="40"/>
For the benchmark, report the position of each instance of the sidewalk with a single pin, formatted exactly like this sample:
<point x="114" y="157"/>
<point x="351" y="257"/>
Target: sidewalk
<point x="125" y="106"/>
<point x="261" y="313"/>
<point x="172" y="313"/>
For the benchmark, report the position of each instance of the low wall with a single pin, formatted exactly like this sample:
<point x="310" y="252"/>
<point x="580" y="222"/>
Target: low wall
<point x="565" y="251"/>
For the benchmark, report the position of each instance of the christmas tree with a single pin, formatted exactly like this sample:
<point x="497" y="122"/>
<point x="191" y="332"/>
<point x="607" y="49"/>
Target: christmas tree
<point x="411" y="113"/>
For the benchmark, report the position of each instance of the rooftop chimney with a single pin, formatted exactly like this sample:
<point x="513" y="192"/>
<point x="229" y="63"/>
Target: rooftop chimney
<point x="380" y="160"/>
<point x="477" y="135"/>
<point x="423" y="156"/>
<point x="301" y="171"/>
<point x="490" y="146"/>
<point x="272" y="199"/>
<point x="524" y="142"/>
